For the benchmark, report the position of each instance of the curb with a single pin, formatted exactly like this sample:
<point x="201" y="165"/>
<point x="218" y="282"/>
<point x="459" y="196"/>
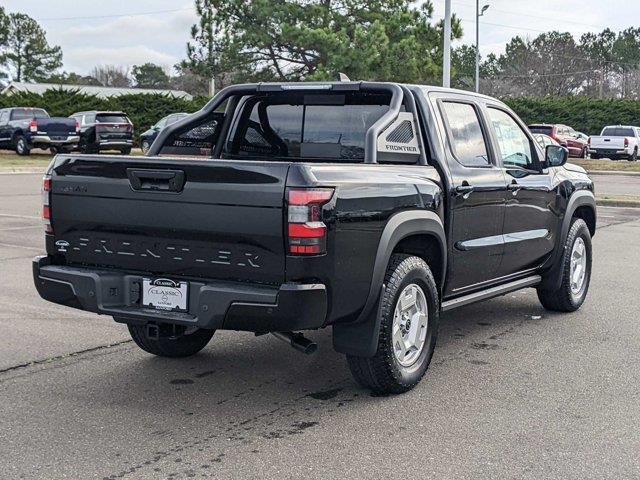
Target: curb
<point x="613" y="172"/>
<point x="606" y="202"/>
<point x="14" y="171"/>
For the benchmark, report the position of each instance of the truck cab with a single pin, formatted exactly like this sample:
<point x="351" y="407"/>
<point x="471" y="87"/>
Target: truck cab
<point x="370" y="208"/>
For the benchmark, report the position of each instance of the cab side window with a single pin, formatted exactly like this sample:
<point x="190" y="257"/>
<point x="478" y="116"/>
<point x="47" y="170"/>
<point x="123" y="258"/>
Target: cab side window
<point x="465" y="134"/>
<point x="514" y="144"/>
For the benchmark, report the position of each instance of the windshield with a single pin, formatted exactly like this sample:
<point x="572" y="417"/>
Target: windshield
<point x="320" y="126"/>
<point x="28" y="113"/>
<point x="617" y="132"/>
<point x="111" y="118"/>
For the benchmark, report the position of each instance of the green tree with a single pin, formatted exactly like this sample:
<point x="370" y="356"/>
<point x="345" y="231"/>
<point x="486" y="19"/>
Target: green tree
<point x="4" y="31"/>
<point x="71" y="78"/>
<point x="292" y="40"/>
<point x="150" y="75"/>
<point x="26" y="51"/>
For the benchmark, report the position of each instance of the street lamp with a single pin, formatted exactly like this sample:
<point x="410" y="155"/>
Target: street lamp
<point x="479" y="13"/>
<point x="446" y="53"/>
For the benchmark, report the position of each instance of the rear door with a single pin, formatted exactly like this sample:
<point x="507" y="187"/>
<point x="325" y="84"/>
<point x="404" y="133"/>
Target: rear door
<point x="478" y="198"/>
<point x="213" y="219"/>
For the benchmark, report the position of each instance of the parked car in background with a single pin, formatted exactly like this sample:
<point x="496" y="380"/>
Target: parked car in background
<point x="147" y="138"/>
<point x="25" y="128"/>
<point x="565" y="136"/>
<point x="104" y="131"/>
<point x="616" y="141"/>
<point x="544" y="140"/>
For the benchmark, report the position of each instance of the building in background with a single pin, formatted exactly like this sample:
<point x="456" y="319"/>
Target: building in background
<point x="102" y="92"/>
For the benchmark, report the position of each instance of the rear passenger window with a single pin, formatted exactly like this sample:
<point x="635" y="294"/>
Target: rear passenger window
<point x="467" y="140"/>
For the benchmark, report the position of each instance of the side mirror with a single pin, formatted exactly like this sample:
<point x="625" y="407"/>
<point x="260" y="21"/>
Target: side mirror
<point x="555" y="156"/>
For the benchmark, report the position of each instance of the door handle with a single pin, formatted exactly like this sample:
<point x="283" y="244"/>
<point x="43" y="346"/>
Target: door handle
<point x="464" y="189"/>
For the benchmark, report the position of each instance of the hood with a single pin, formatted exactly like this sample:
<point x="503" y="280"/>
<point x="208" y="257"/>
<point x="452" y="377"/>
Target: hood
<point x="575" y="168"/>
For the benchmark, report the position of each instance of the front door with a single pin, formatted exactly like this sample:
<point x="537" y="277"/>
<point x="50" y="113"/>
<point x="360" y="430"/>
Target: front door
<point x="476" y="197"/>
<point x="531" y="222"/>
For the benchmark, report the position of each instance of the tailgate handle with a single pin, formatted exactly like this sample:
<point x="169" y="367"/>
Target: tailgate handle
<point x="156" y="180"/>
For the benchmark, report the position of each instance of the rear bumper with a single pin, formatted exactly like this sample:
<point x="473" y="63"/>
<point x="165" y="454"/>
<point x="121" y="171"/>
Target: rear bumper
<point x="611" y="151"/>
<point x="114" y="143"/>
<point x="213" y="305"/>
<point x="47" y="140"/>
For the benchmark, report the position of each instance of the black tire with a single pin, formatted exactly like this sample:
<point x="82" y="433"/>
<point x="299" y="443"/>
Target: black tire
<point x="634" y="156"/>
<point x="184" y="345"/>
<point x="145" y="145"/>
<point x="595" y="156"/>
<point x="564" y="299"/>
<point x="125" y="151"/>
<point x="382" y="373"/>
<point x="584" y="153"/>
<point x="21" y="146"/>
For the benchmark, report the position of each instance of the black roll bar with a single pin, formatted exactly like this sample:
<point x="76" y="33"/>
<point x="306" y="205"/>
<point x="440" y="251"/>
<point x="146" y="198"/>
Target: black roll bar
<point x="371" y="150"/>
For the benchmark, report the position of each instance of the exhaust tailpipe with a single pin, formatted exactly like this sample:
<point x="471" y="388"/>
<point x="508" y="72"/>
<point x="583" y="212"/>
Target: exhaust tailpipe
<point x="297" y="341"/>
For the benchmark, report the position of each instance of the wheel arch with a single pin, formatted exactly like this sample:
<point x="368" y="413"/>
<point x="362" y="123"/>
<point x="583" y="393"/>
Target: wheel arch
<point x="582" y="204"/>
<point x="419" y="233"/>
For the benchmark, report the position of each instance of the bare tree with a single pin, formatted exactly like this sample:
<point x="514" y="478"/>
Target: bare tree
<point x="111" y="75"/>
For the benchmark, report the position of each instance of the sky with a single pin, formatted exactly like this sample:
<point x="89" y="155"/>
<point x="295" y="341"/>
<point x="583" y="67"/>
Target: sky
<point x="127" y="33"/>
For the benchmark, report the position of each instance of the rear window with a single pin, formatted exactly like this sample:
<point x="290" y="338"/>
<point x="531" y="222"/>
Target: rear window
<point x="322" y="127"/>
<point x="617" y="132"/>
<point x="546" y="129"/>
<point x="28" y="113"/>
<point x="111" y="118"/>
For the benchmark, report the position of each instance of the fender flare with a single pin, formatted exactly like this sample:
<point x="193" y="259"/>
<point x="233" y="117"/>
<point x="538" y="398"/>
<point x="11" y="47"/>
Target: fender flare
<point x="553" y="278"/>
<point x="360" y="338"/>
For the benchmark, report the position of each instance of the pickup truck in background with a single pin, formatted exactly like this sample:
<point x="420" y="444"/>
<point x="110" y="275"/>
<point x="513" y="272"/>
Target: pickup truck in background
<point x="101" y="131"/>
<point x="23" y="129"/>
<point x="366" y="207"/>
<point x="616" y="141"/>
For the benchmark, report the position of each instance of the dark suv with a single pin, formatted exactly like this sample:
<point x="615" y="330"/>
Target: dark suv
<point x="147" y="138"/>
<point x="366" y="207"/>
<point x="104" y="131"/>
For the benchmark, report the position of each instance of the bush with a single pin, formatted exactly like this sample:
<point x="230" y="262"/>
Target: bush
<point x="144" y="110"/>
<point x="586" y="115"/>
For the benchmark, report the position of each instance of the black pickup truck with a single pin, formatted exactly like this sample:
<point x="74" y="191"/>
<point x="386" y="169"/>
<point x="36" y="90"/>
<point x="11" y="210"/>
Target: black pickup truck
<point x="22" y="129"/>
<point x="367" y="207"/>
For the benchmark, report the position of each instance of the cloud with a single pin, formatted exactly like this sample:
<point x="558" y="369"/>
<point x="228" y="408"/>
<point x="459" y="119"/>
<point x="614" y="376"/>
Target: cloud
<point x="83" y="59"/>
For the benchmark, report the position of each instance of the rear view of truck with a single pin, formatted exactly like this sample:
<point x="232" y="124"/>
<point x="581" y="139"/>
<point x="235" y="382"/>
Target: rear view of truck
<point x="273" y="227"/>
<point x="616" y="142"/>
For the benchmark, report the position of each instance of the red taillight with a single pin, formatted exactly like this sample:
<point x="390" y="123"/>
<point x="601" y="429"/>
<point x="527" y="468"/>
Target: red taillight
<point x="626" y="142"/>
<point x="305" y="230"/>
<point x="77" y="126"/>
<point x="46" y="203"/>
<point x="33" y="125"/>
<point x="589" y="141"/>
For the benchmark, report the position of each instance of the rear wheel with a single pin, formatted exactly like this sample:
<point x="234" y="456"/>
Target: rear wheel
<point x="22" y="148"/>
<point x="125" y="151"/>
<point x="175" y="343"/>
<point x="634" y="156"/>
<point x="408" y="328"/>
<point x="145" y="146"/>
<point x="576" y="272"/>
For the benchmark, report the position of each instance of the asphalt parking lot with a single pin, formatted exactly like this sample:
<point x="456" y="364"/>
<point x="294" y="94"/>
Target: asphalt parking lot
<point x="513" y="391"/>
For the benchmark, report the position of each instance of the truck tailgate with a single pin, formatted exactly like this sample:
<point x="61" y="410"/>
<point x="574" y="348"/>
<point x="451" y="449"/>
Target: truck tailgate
<point x="614" y="143"/>
<point x="213" y="219"/>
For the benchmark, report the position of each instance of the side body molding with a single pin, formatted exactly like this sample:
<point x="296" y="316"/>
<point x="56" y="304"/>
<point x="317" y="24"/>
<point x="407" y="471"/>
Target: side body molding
<point x="553" y="278"/>
<point x="361" y="336"/>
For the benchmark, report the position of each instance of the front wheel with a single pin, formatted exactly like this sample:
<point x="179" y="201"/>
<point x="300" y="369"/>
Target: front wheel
<point x="175" y="343"/>
<point x="408" y="315"/>
<point x="576" y="272"/>
<point x="145" y="145"/>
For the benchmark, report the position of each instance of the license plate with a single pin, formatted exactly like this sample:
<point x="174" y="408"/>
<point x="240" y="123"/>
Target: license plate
<point x="165" y="294"/>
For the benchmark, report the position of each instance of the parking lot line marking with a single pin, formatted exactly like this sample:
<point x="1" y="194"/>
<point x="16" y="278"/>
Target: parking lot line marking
<point x="18" y="228"/>
<point x="11" y="245"/>
<point x="30" y="217"/>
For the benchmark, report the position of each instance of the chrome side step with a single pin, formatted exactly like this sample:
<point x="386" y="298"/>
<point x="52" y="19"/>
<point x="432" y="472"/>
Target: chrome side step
<point x="491" y="292"/>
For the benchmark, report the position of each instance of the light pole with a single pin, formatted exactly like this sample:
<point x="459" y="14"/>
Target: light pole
<point x="479" y="13"/>
<point x="446" y="58"/>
